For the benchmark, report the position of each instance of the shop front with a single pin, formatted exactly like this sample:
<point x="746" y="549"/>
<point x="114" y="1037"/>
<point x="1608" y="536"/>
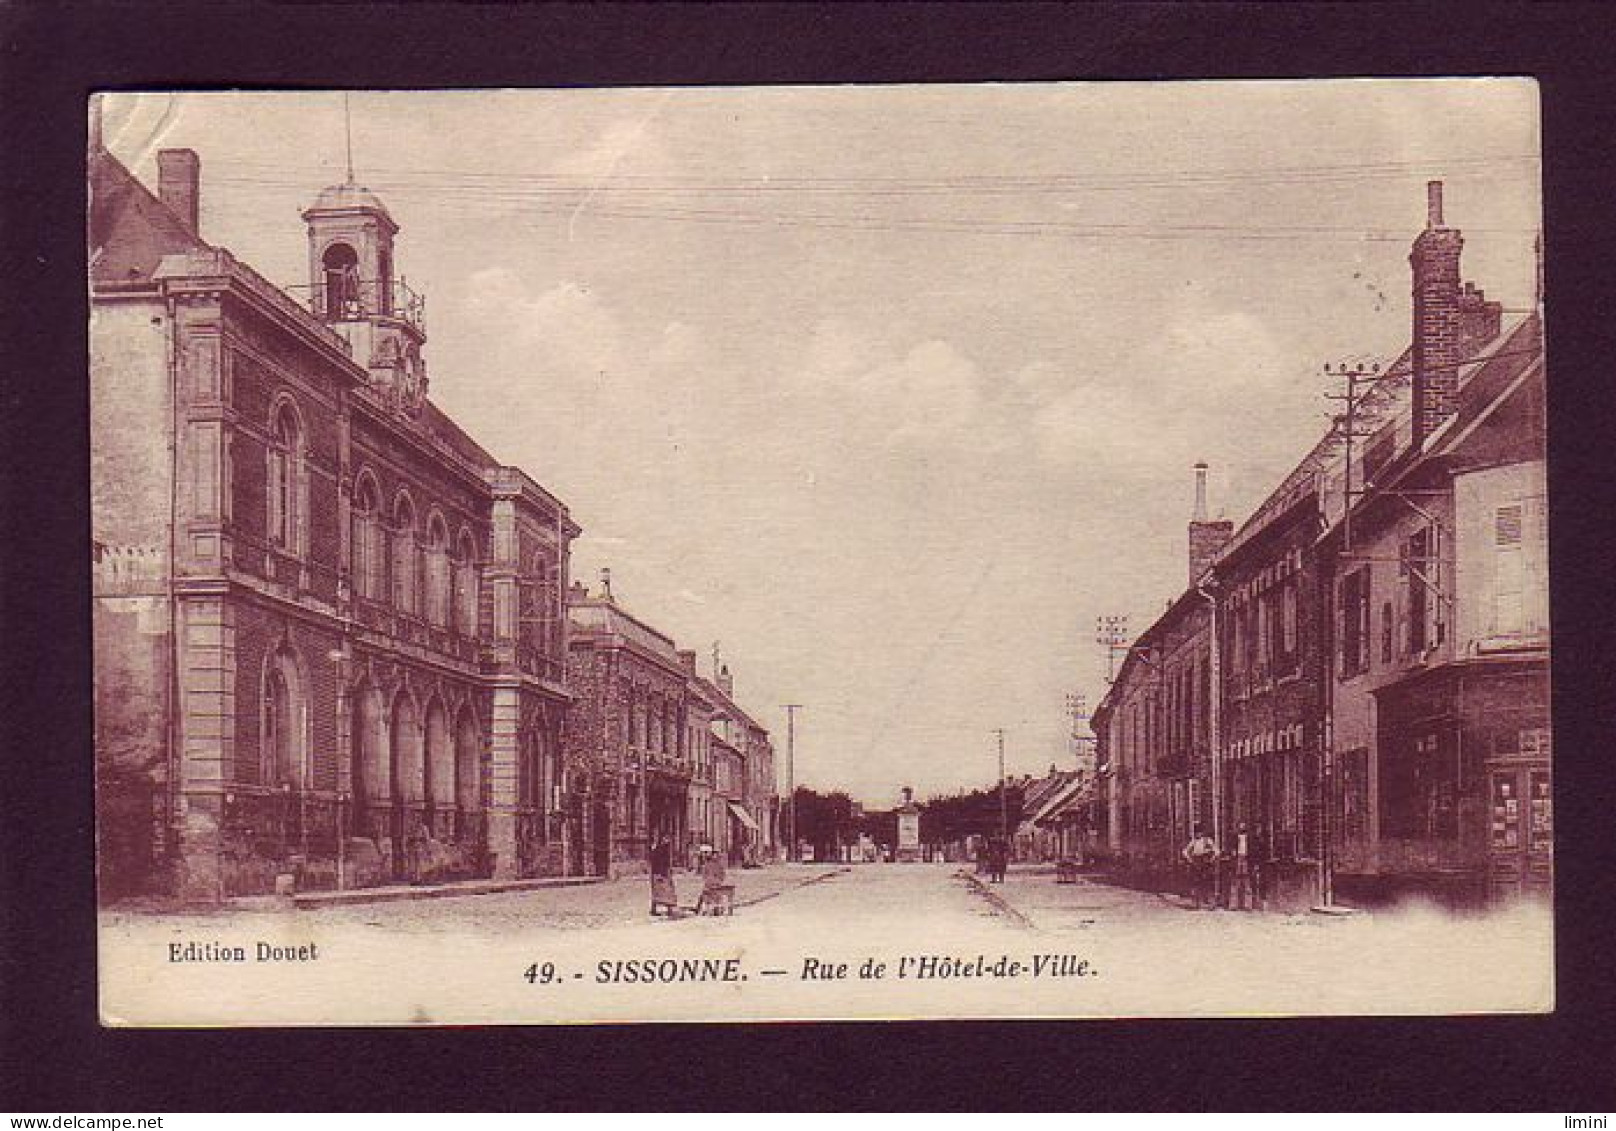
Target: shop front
<point x="1466" y="786"/>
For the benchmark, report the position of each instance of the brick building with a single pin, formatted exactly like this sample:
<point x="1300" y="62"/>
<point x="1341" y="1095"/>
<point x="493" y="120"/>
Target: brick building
<point x="630" y="731"/>
<point x="1439" y="586"/>
<point x="1370" y="698"/>
<point x="328" y="625"/>
<point x="1271" y="729"/>
<point x="1153" y="725"/>
<point x="745" y="779"/>
<point x="701" y="821"/>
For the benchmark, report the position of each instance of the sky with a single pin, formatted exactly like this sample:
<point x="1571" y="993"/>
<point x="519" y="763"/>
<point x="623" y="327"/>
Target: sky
<point x="889" y="391"/>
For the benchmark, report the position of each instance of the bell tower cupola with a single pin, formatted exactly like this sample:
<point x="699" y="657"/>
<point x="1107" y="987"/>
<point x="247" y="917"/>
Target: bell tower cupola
<point x="354" y="286"/>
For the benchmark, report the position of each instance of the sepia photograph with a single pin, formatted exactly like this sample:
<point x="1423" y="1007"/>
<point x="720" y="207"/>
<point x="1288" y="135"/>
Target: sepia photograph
<point x="772" y="553"/>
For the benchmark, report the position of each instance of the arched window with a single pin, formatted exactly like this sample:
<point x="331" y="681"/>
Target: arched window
<point x="282" y="750"/>
<point x="409" y="770"/>
<point x="366" y="541"/>
<point x="438" y="583"/>
<point x="405" y="555"/>
<point x="287" y="486"/>
<point x="440" y="765"/>
<point x="465" y="585"/>
<point x="468" y="763"/>
<point x="340" y="267"/>
<point x="372" y="761"/>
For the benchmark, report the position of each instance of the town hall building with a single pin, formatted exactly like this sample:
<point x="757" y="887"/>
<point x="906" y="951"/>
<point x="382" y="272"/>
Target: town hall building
<point x="330" y="629"/>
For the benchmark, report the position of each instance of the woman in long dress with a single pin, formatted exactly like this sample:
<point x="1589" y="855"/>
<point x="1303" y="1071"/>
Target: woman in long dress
<point x="663" y="894"/>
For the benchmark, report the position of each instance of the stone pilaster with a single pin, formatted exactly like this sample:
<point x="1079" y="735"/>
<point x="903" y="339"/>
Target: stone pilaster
<point x="207" y="732"/>
<point x="504" y="778"/>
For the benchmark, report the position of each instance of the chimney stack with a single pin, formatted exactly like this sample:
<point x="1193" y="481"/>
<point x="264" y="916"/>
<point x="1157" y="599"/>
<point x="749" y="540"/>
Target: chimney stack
<point x="726" y="683"/>
<point x="1207" y="539"/>
<point x="1437" y="331"/>
<point x="687" y="661"/>
<point x="179" y="184"/>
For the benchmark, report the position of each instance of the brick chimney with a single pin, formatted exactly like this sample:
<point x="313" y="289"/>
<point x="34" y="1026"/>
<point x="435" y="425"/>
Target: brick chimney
<point x="1207" y="539"/>
<point x="726" y="682"/>
<point x="1452" y="319"/>
<point x="1435" y="264"/>
<point x="1479" y="320"/>
<point x="179" y="184"/>
<point x="687" y="661"/>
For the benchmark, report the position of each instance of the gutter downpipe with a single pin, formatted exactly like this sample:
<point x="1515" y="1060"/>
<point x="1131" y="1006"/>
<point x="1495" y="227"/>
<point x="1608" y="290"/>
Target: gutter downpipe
<point x="171" y="692"/>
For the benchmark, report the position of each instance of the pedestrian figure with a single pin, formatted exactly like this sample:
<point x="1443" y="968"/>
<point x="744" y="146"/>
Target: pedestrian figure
<point x="1201" y="854"/>
<point x="717" y="892"/>
<point x="663" y="894"/>
<point x="1001" y="860"/>
<point x="1241" y="893"/>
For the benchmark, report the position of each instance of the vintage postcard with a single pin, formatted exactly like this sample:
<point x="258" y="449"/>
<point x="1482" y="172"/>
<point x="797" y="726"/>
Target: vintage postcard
<point x="990" y="551"/>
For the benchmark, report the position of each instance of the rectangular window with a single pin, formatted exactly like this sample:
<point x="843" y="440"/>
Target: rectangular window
<point x="1352" y="797"/>
<point x="1288" y="625"/>
<point x="1263" y="634"/>
<point x="1354" y="622"/>
<point x="1417" y="574"/>
<point x="1509" y="573"/>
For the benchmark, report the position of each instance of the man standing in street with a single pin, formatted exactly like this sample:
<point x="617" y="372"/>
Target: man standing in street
<point x="1201" y="855"/>
<point x="1241" y="894"/>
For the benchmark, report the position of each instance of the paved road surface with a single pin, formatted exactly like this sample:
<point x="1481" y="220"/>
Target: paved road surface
<point x="879" y="898"/>
<point x="466" y="959"/>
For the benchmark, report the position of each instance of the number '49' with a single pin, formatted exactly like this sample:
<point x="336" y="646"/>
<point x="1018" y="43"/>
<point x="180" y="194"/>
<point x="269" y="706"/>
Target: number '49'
<point x="540" y="973"/>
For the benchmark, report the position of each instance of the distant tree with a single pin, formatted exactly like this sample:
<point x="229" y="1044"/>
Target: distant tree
<point x="825" y="820"/>
<point x="974" y="813"/>
<point x="881" y="826"/>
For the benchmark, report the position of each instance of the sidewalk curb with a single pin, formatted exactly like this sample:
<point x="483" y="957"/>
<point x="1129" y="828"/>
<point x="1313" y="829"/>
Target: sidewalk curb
<point x="998" y="902"/>
<point x="819" y="879"/>
<point x="355" y="896"/>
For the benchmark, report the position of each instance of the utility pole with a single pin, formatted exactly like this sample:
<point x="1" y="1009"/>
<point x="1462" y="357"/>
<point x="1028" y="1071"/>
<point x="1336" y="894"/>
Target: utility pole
<point x="791" y="778"/>
<point x="1360" y="381"/>
<point x="1004" y="811"/>
<point x="1077" y="709"/>
<point x="1111" y="633"/>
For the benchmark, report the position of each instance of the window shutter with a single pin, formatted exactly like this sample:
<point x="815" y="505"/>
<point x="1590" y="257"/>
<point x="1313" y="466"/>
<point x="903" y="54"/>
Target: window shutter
<point x="1508" y="525"/>
<point x="1508" y="570"/>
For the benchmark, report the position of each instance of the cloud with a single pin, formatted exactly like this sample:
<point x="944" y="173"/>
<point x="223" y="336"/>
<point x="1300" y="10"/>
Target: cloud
<point x="623" y="142"/>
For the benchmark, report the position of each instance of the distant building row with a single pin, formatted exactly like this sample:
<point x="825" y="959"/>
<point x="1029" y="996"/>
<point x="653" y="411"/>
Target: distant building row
<point x="1357" y="677"/>
<point x="334" y="638"/>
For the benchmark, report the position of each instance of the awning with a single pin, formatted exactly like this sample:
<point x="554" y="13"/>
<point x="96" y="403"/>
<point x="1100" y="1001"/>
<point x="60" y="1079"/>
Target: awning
<point x="1076" y="794"/>
<point x="741" y="814"/>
